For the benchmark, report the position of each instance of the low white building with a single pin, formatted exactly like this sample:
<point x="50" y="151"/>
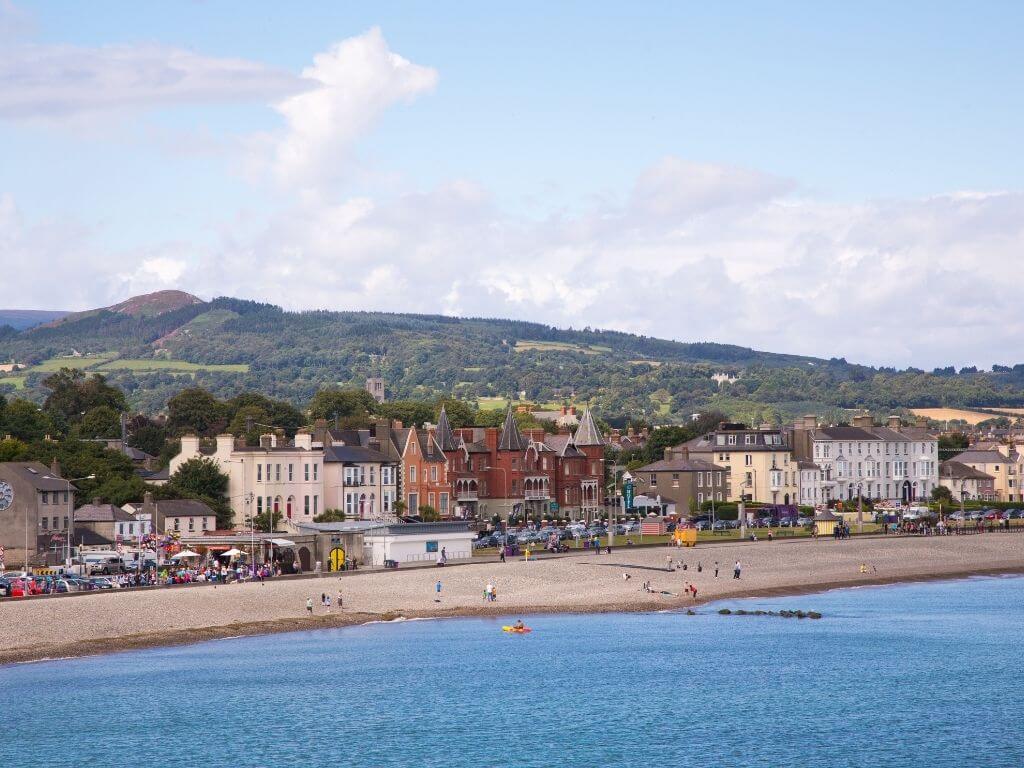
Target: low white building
<point x="417" y="542"/>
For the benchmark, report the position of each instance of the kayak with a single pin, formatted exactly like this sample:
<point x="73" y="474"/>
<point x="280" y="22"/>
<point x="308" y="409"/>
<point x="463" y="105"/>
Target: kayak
<point x="517" y="630"/>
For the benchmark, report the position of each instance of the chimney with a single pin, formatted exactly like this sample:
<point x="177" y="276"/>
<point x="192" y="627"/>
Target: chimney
<point x="863" y="420"/>
<point x="95" y="501"/>
<point x="225" y="444"/>
<point x="684" y="452"/>
<point x="55" y="467"/>
<point x="894" y="422"/>
<point x="922" y="422"/>
<point x="266" y="441"/>
<point x="189" y="446"/>
<point x="668" y="453"/>
<point x="398" y="424"/>
<point x="810" y="422"/>
<point x="304" y="440"/>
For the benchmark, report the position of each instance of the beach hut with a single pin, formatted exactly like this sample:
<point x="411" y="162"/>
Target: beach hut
<point x="825" y="523"/>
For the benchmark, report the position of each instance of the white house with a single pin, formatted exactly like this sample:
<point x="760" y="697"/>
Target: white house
<point x="417" y="542"/>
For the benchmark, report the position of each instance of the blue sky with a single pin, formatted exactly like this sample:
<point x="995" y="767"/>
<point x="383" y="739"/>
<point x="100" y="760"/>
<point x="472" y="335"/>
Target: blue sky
<point x="794" y="149"/>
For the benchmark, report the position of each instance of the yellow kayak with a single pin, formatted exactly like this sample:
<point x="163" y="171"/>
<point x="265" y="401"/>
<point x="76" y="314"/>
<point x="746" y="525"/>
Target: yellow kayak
<point x="517" y="630"/>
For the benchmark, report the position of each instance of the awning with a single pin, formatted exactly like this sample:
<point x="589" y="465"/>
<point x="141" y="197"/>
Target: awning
<point x="233" y="552"/>
<point x="186" y="553"/>
<point x="282" y="543"/>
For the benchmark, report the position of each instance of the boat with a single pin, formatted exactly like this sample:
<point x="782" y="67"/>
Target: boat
<point x="517" y="630"/>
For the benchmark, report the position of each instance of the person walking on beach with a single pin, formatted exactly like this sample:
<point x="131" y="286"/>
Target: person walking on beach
<point x="668" y="563"/>
<point x="716" y="569"/>
<point x="309" y="605"/>
<point x="323" y="599"/>
<point x="736" y="570"/>
<point x="328" y="603"/>
<point x="339" y="601"/>
<point x="488" y="591"/>
<point x="501" y="552"/>
<point x="437" y="590"/>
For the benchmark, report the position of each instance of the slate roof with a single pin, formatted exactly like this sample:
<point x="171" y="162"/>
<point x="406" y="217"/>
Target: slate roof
<point x="39" y="476"/>
<point x="960" y="471"/>
<point x="102" y="513"/>
<point x="563" y="446"/>
<point x="354" y="453"/>
<point x="183" y="508"/>
<point x="511" y="438"/>
<point x="588" y="433"/>
<point x="981" y="457"/>
<point x="681" y="465"/>
<point x="444" y="435"/>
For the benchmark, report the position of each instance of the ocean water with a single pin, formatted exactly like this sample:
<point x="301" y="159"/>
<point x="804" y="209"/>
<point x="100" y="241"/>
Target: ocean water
<point x="910" y="675"/>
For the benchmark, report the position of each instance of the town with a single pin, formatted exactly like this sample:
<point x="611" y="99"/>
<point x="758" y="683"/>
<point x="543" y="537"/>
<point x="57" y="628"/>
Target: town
<point x="376" y="492"/>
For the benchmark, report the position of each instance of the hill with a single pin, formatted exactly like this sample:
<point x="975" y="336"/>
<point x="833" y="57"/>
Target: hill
<point x="153" y="346"/>
<point x="20" y="319"/>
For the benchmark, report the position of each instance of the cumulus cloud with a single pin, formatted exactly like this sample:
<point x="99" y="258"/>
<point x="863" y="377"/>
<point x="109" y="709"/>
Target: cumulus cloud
<point x="350" y="85"/>
<point x="55" y="81"/>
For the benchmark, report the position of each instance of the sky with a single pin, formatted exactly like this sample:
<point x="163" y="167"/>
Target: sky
<point x="814" y="178"/>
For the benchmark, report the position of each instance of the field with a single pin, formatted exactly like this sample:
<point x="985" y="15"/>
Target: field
<point x="950" y="414"/>
<point x="560" y="346"/>
<point x="173" y="366"/>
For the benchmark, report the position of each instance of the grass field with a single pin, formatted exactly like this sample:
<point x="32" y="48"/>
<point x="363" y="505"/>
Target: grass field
<point x="173" y="366"/>
<point x="560" y="346"/>
<point x="54" y="364"/>
<point x="949" y="414"/>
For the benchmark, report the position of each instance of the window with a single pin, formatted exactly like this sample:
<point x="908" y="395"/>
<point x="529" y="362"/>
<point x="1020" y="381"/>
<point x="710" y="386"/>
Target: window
<point x="268" y="473"/>
<point x="177" y="524"/>
<point x="259" y="505"/>
<point x="191" y="523"/>
<point x="654" y="480"/>
<point x="277" y="473"/>
<point x="412" y="473"/>
<point x="350" y="503"/>
<point x="720" y="439"/>
<point x="316" y="470"/>
<point x="732" y="439"/>
<point x="709" y="475"/>
<point x="290" y="467"/>
<point x="433" y="473"/>
<point x="259" y="473"/>
<point x="206" y="523"/>
<point x="414" y="503"/>
<point x="675" y="479"/>
<point x="700" y="498"/>
<point x="748" y="439"/>
<point x="430" y="500"/>
<point x="46" y="497"/>
<point x="65" y="523"/>
<point x="316" y="504"/>
<point x="444" y="504"/>
<point x="305" y="505"/>
<point x="566" y="469"/>
<point x="748" y="460"/>
<point x="700" y="480"/>
<point x="373" y="471"/>
<point x="307" y="472"/>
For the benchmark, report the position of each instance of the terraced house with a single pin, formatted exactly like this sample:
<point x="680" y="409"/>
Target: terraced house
<point x="757" y="461"/>
<point x="894" y="462"/>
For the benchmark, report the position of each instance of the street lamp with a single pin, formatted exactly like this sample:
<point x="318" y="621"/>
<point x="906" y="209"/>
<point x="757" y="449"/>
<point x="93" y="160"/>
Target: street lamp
<point x="71" y="517"/>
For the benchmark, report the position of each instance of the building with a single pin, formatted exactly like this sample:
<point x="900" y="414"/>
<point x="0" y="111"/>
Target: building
<point x="966" y="483"/>
<point x="417" y="542"/>
<point x="424" y="472"/>
<point x="757" y="461"/>
<point x="272" y="476"/>
<point x="184" y="516"/>
<point x="809" y="483"/>
<point x="375" y="386"/>
<point x="681" y="483"/>
<point x="360" y="481"/>
<point x="99" y="524"/>
<point x="510" y="473"/>
<point x="35" y="512"/>
<point x="1002" y="468"/>
<point x="889" y="463"/>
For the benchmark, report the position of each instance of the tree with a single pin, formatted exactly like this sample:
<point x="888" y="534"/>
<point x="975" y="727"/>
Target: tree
<point x="196" y="410"/>
<point x="343" y="403"/>
<point x="147" y="436"/>
<point x="277" y="413"/>
<point x="246" y="423"/>
<point x="263" y="522"/>
<point x="73" y="393"/>
<point x="12" y="450"/>
<point x="100" y="422"/>
<point x="330" y="516"/>
<point x="400" y="507"/>
<point x="942" y="494"/>
<point x="200" y="477"/>
<point x="409" y="412"/>
<point x="428" y="514"/>
<point x="25" y="421"/>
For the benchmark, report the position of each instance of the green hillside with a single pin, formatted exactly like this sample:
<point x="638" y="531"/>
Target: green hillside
<point x="231" y="345"/>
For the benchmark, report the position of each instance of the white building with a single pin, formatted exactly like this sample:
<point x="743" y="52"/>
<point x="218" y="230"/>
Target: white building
<point x="360" y="481"/>
<point x="270" y="476"/>
<point x="892" y="462"/>
<point x="417" y="542"/>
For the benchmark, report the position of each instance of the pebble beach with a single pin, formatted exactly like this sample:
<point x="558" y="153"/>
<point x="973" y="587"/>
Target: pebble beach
<point x="99" y="622"/>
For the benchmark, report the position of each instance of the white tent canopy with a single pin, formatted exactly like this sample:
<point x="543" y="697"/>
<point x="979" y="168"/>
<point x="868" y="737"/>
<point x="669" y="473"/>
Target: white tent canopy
<point x="184" y="553"/>
<point x="233" y="552"/>
<point x="282" y="542"/>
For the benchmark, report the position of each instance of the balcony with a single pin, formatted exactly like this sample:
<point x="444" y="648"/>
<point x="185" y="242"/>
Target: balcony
<point x="467" y="495"/>
<point x="542" y="494"/>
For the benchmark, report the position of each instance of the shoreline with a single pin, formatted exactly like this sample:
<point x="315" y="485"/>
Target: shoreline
<point x="191" y="636"/>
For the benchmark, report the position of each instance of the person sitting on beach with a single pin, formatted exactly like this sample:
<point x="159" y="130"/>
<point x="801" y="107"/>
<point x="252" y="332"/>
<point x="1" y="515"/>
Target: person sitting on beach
<point x="625" y="576"/>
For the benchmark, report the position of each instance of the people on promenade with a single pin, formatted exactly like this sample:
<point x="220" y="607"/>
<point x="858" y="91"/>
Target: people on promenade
<point x="736" y="569"/>
<point x="309" y="605"/>
<point x="437" y="591"/>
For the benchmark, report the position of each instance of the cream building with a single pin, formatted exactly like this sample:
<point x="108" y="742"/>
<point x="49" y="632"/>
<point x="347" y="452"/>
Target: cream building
<point x="270" y="476"/>
<point x="758" y="462"/>
<point x="1002" y="468"/>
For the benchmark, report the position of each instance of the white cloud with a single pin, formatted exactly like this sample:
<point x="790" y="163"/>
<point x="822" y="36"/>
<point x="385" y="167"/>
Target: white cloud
<point x="350" y="86"/>
<point x="55" y="81"/>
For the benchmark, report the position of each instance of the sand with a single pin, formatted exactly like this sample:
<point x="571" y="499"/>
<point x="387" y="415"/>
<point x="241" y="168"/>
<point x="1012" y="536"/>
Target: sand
<point x="108" y="621"/>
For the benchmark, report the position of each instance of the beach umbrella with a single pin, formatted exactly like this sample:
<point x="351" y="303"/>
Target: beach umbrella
<point x="233" y="552"/>
<point x="184" y="554"/>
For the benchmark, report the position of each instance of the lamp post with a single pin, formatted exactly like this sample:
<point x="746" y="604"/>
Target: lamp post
<point x="71" y="516"/>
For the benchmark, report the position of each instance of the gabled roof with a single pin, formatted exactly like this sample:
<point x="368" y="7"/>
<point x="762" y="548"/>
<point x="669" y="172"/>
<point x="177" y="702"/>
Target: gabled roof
<point x="511" y="438"/>
<point x="960" y="471"/>
<point x="563" y="446"/>
<point x="183" y="508"/>
<point x="444" y="435"/>
<point x="38" y="476"/>
<point x="102" y="513"/>
<point x="354" y="453"/>
<point x="681" y="465"/>
<point x="587" y="433"/>
<point x="981" y="457"/>
<point x="429" y="449"/>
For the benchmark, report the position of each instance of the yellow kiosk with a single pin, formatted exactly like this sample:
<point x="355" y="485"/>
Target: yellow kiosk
<point x="685" y="537"/>
<point x="825" y="523"/>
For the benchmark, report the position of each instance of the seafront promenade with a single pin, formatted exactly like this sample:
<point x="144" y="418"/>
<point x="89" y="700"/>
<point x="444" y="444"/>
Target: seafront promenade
<point x="101" y="622"/>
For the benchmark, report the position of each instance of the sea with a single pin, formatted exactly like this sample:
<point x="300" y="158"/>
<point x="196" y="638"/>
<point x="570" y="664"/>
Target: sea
<point x="925" y="674"/>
